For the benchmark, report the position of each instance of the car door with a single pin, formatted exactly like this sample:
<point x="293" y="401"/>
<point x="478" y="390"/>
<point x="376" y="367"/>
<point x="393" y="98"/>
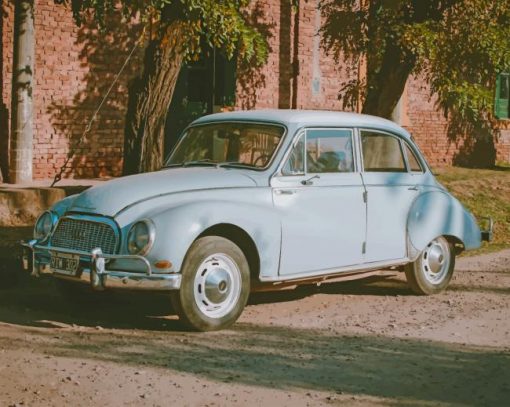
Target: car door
<point x="392" y="181"/>
<point x="320" y="195"/>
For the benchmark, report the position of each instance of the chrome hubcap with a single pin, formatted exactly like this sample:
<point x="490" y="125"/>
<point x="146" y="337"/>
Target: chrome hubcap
<point x="217" y="285"/>
<point x="436" y="261"/>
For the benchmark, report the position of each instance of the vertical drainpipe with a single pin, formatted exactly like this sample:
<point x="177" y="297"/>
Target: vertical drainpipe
<point x="316" y="54"/>
<point x="21" y="145"/>
<point x="295" y="59"/>
<point x="362" y="66"/>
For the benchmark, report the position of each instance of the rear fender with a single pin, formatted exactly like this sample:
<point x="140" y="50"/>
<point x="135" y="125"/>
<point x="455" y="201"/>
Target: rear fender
<point x="437" y="213"/>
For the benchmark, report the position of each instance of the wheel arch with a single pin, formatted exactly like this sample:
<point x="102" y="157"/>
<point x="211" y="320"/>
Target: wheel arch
<point x="242" y="239"/>
<point x="254" y="228"/>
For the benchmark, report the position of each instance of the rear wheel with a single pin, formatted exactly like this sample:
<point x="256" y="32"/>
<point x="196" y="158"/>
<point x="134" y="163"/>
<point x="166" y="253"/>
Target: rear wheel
<point x="433" y="269"/>
<point x="215" y="285"/>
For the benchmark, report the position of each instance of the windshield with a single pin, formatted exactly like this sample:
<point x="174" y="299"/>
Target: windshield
<point x="242" y="144"/>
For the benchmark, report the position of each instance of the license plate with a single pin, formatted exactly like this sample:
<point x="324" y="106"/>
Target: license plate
<point x="63" y="263"/>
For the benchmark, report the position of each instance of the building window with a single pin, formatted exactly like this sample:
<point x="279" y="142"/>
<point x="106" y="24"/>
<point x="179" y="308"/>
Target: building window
<point x="501" y="105"/>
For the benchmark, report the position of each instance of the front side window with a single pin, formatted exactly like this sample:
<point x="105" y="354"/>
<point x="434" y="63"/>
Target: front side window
<point x="381" y="152"/>
<point x="295" y="164"/>
<point x="244" y="144"/>
<point x="329" y="150"/>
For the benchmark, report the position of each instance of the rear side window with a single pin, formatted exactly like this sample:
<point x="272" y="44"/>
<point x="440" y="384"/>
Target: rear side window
<point x="414" y="163"/>
<point x="381" y="152"/>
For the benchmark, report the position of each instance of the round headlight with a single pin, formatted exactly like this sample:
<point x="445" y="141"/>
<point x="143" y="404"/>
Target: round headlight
<point x="140" y="237"/>
<point x="44" y="226"/>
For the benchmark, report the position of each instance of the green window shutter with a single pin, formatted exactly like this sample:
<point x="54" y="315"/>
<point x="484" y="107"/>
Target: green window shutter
<point x="501" y="103"/>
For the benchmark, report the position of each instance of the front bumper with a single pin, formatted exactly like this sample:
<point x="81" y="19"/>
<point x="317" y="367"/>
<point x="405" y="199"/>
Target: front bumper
<point x="93" y="269"/>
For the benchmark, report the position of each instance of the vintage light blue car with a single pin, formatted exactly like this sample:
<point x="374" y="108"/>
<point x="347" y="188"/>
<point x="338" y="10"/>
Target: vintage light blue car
<point x="260" y="200"/>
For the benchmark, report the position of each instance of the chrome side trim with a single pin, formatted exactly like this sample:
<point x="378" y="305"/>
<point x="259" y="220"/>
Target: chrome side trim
<point x="125" y="208"/>
<point x="328" y="273"/>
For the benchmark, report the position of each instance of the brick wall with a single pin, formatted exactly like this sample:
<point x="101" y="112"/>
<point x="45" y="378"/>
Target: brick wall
<point x="295" y="55"/>
<point x="6" y="30"/>
<point x="503" y="144"/>
<point x="429" y="126"/>
<point x="75" y="66"/>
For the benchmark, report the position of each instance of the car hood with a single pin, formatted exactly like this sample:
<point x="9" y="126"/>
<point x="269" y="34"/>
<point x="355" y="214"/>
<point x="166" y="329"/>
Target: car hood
<point x="112" y="196"/>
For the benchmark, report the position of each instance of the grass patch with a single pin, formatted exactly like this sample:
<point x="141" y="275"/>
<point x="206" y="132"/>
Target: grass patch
<point x="485" y="193"/>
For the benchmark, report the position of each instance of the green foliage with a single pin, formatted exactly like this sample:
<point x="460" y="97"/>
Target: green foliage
<point x="459" y="46"/>
<point x="206" y="23"/>
<point x="484" y="193"/>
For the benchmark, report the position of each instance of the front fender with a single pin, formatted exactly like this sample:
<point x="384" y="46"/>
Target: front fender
<point x="437" y="213"/>
<point x="179" y="226"/>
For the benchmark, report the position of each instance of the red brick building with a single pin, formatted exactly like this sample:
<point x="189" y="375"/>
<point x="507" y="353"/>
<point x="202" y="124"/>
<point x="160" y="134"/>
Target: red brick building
<point x="76" y="65"/>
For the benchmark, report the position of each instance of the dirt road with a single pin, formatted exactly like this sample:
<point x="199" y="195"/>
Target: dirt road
<point x="361" y="343"/>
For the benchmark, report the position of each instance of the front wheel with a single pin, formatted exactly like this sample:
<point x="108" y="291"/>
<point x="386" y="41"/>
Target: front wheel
<point x="433" y="269"/>
<point x="215" y="285"/>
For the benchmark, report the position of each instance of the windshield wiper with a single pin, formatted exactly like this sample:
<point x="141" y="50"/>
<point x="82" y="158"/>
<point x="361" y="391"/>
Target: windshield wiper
<point x="237" y="164"/>
<point x="205" y="161"/>
<point x="209" y="162"/>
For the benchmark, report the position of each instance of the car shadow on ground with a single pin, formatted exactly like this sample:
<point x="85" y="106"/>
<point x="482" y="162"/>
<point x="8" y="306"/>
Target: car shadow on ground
<point x="403" y="371"/>
<point x="383" y="285"/>
<point x="39" y="303"/>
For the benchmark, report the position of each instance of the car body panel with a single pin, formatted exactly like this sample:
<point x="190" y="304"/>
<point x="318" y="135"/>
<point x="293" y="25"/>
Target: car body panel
<point x="310" y="240"/>
<point x="112" y="197"/>
<point x="389" y="198"/>
<point x="179" y="219"/>
<point x="436" y="213"/>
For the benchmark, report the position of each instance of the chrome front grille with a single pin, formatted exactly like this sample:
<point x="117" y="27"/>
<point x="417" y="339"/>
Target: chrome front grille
<point x="84" y="235"/>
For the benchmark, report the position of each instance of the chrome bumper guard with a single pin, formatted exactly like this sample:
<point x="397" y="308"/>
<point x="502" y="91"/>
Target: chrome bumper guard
<point x="35" y="260"/>
<point x="487" y="234"/>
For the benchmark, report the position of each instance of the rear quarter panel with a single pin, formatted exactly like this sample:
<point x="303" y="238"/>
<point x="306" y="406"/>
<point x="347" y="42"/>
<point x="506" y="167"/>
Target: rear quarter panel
<point x="437" y="213"/>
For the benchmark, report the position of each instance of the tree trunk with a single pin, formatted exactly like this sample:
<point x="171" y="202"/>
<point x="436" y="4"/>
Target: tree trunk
<point x="149" y="98"/>
<point x="20" y="162"/>
<point x="386" y="82"/>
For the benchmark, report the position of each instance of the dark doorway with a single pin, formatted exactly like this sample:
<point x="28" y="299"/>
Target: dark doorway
<point x="203" y="87"/>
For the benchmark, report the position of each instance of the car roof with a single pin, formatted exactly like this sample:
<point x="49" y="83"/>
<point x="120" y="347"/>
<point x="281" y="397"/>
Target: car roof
<point x="309" y="118"/>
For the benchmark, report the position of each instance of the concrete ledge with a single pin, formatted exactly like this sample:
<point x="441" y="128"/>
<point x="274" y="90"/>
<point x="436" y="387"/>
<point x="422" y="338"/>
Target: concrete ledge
<point x="21" y="204"/>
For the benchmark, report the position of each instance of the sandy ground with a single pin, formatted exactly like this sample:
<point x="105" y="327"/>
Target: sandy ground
<point x="359" y="343"/>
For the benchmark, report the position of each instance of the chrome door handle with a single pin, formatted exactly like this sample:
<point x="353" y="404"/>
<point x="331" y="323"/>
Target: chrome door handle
<point x="413" y="188"/>
<point x="285" y="191"/>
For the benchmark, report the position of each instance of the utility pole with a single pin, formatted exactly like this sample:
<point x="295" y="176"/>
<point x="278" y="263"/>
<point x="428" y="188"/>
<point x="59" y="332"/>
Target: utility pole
<point x="20" y="161"/>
